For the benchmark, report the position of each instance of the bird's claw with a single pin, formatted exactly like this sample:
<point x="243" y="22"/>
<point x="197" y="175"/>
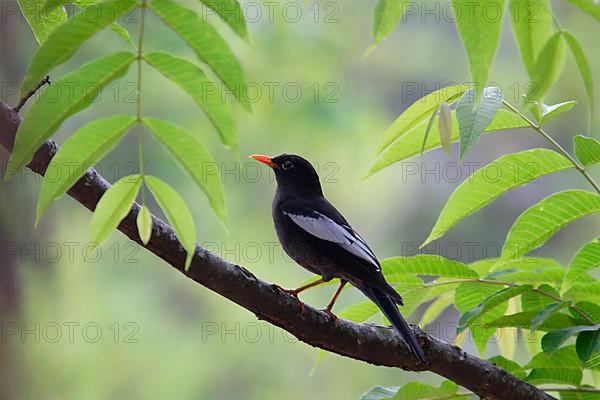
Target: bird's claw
<point x="294" y="294"/>
<point x="331" y="315"/>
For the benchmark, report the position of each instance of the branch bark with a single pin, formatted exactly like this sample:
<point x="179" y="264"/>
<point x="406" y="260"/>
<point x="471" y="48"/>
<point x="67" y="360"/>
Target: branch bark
<point x="369" y="343"/>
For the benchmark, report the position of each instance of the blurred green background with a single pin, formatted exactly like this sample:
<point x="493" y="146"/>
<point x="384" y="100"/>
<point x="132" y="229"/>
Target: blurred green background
<point x="121" y="324"/>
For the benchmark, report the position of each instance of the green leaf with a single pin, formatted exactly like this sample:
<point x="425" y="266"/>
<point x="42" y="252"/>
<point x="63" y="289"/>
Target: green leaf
<point x="359" y="312"/>
<point x="587" y="150"/>
<point x="193" y="158"/>
<point x="535" y="264"/>
<point x="480" y="33"/>
<point x="412" y="294"/>
<point x="122" y="33"/>
<point x="419" y="391"/>
<point x="73" y="93"/>
<point x="591" y="310"/>
<point x="414" y="391"/>
<point x="379" y="393"/>
<point x="426" y="264"/>
<point x="418" y="112"/>
<point x="41" y="19"/>
<point x="523" y="320"/>
<point x="584" y="68"/>
<point x="436" y="308"/>
<point x="553" y="340"/>
<point x="114" y="205"/>
<point x="593" y="362"/>
<point x="489" y="303"/>
<point x="539" y="222"/>
<point x="412" y="298"/>
<point x="569" y="376"/>
<point x="481" y="336"/>
<point x="429" y="125"/>
<point x="507" y="338"/>
<point x="80" y="152"/>
<point x="387" y="14"/>
<point x="412" y="290"/>
<point x="397" y="277"/>
<point x="64" y="41"/>
<point x="548" y="68"/>
<point x="485" y="185"/>
<point x="536" y="107"/>
<point x="205" y="92"/>
<point x="531" y="33"/>
<point x="436" y="291"/>
<point x="83" y="4"/>
<point x="475" y="116"/>
<point x="546" y="313"/>
<point x="409" y="144"/>
<point x="206" y="42"/>
<point x="542" y="275"/>
<point x="483" y="266"/>
<point x="565" y="357"/>
<point x="588" y="6"/>
<point x="536" y="301"/>
<point x="584" y="291"/>
<point x="586" y="259"/>
<point x="550" y="112"/>
<point x="468" y="296"/>
<point x="230" y="12"/>
<point x="509" y="366"/>
<point x="144" y="224"/>
<point x="445" y="128"/>
<point x="178" y="215"/>
<point x="587" y="343"/>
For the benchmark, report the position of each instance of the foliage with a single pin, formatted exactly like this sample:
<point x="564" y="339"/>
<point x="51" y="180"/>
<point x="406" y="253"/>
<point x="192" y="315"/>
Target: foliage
<point x="515" y="292"/>
<point x="541" y="41"/>
<point x="415" y="391"/>
<point x="61" y="37"/>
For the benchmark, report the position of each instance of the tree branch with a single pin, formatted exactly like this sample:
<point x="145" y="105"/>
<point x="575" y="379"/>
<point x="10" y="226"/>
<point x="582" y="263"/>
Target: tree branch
<point x="369" y="343"/>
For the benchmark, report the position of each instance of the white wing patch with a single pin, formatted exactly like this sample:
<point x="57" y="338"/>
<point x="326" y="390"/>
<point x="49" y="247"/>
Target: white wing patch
<point x="325" y="228"/>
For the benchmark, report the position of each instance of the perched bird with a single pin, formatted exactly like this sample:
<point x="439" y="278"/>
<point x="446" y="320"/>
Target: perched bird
<point x="315" y="235"/>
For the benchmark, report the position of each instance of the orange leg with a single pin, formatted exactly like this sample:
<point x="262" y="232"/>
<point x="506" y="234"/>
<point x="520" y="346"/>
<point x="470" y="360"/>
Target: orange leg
<point x="334" y="299"/>
<point x="294" y="293"/>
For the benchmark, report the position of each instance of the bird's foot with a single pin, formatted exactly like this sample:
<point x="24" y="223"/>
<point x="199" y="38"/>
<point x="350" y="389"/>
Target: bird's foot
<point x="294" y="294"/>
<point x="331" y="315"/>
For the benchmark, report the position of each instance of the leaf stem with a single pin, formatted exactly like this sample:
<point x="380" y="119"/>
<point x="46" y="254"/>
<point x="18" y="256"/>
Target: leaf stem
<point x="140" y="135"/>
<point x="561" y="149"/>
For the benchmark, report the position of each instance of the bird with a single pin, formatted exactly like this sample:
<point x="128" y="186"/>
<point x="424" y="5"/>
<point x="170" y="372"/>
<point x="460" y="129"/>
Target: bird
<point x="318" y="237"/>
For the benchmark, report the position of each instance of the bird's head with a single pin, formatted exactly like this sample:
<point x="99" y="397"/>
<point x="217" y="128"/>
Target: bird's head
<point x="293" y="171"/>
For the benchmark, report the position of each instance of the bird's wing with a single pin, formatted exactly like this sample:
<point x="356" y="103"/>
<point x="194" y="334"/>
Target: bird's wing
<point x="324" y="227"/>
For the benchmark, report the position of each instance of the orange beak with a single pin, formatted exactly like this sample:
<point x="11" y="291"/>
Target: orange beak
<point x="264" y="159"/>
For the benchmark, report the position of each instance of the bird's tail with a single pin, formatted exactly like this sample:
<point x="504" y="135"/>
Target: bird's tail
<point x="390" y="310"/>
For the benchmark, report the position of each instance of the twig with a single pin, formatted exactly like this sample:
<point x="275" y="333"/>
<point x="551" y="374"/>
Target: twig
<point x="561" y="149"/>
<point x="138" y="107"/>
<point x="29" y="94"/>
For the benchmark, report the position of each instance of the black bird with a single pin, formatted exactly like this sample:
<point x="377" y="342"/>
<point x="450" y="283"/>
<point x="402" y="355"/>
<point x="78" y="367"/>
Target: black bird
<point x="315" y="235"/>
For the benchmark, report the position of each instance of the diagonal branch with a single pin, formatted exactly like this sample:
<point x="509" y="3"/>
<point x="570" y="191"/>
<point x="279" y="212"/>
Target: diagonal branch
<point x="372" y="344"/>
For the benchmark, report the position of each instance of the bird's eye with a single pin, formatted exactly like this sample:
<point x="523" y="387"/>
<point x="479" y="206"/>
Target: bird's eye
<point x="287" y="165"/>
